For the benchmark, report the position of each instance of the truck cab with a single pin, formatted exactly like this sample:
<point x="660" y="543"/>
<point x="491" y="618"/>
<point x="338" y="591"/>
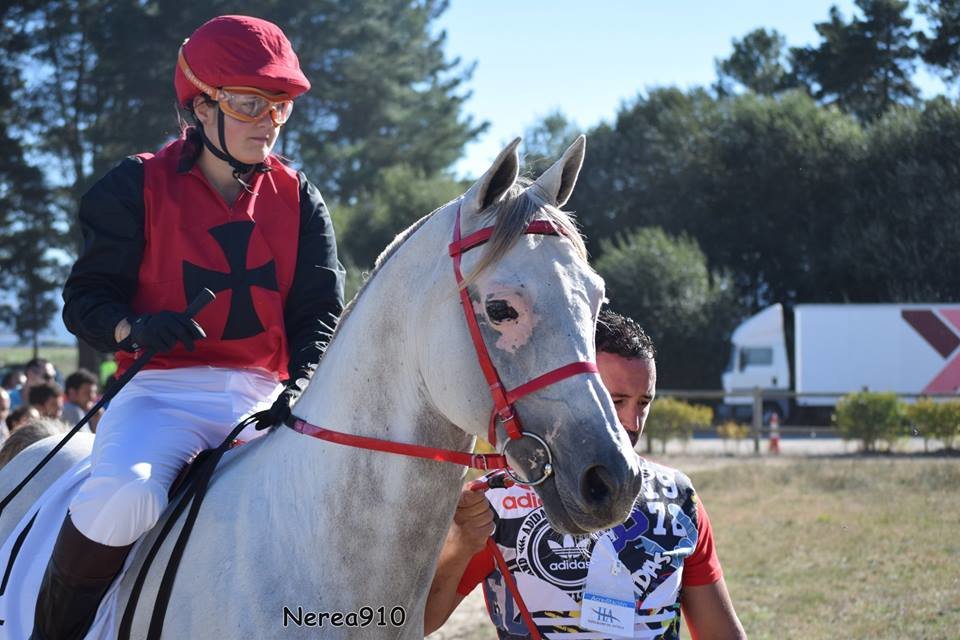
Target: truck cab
<point x="758" y="358"/>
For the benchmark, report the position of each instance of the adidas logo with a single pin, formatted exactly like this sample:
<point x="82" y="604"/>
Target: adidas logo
<point x="570" y="547"/>
<point x="528" y="500"/>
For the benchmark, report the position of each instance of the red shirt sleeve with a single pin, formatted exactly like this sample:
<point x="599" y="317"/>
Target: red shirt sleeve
<point x="481" y="565"/>
<point x="702" y="567"/>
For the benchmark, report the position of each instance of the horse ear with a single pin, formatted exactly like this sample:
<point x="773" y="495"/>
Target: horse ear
<point x="496" y="181"/>
<point x="558" y="181"/>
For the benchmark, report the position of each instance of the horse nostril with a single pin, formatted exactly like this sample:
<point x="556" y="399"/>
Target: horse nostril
<point x="596" y="486"/>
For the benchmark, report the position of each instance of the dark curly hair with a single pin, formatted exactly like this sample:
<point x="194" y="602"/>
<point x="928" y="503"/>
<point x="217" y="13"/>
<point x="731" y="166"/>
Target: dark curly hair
<point x="622" y="336"/>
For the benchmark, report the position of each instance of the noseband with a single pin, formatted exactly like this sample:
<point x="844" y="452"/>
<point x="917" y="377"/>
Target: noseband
<point x="503" y="411"/>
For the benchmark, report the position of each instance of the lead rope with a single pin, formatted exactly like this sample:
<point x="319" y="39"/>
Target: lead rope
<point x="500" y="481"/>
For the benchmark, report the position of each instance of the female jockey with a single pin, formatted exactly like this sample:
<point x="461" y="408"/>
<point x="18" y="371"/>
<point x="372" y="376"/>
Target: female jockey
<point x="211" y="209"/>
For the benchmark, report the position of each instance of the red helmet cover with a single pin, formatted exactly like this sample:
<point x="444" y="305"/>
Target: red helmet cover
<point x="240" y="51"/>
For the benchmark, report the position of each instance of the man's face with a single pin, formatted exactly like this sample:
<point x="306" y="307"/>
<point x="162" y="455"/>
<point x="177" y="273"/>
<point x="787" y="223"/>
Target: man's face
<point x="36" y="375"/>
<point x="83" y="395"/>
<point x="632" y="384"/>
<point x="52" y="408"/>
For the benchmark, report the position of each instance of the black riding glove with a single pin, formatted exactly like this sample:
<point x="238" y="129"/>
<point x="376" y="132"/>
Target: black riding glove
<point x="280" y="411"/>
<point x="162" y="331"/>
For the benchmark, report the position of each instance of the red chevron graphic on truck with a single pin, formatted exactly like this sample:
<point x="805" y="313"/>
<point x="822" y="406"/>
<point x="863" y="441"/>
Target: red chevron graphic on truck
<point x="944" y="341"/>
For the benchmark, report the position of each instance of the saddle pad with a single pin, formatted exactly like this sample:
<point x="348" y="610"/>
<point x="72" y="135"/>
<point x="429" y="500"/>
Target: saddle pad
<point x="22" y="579"/>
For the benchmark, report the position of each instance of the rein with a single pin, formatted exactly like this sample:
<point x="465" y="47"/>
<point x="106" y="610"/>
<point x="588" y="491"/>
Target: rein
<point x="496" y="481"/>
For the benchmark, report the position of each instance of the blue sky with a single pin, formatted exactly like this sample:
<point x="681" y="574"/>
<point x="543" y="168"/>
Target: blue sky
<point x="585" y="58"/>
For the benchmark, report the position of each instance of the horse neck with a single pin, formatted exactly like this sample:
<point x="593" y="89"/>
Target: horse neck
<point x="368" y="383"/>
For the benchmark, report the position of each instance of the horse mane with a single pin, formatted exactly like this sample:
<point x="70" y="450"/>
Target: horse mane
<point x="523" y="202"/>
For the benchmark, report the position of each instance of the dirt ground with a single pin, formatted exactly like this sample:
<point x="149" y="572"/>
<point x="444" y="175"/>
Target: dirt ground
<point x="468" y="622"/>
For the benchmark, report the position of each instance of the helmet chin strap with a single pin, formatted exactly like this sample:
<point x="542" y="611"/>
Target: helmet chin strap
<point x="239" y="168"/>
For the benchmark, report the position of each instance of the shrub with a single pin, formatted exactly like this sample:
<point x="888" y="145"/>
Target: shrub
<point x="870" y="417"/>
<point x="932" y="419"/>
<point x="672" y="419"/>
<point x="732" y="430"/>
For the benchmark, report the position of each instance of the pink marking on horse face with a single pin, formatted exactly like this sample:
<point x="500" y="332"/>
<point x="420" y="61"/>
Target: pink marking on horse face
<point x="514" y="331"/>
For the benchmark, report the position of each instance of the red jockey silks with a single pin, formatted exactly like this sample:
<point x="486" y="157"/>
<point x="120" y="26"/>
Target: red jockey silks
<point x="245" y="253"/>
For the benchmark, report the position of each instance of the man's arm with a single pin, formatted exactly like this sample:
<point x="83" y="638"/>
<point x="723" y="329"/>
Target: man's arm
<point x="709" y="613"/>
<point x="472" y="526"/>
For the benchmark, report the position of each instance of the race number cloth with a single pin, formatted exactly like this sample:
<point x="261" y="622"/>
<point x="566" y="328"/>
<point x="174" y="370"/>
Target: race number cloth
<point x="245" y="253"/>
<point x="664" y="545"/>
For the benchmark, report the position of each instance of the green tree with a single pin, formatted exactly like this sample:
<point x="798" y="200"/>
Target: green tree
<point x="898" y="229"/>
<point x="757" y="63"/>
<point x="941" y="49"/>
<point x="864" y="66"/>
<point x="664" y="284"/>
<point x="639" y="170"/>
<point x="384" y="94"/>
<point x="758" y="182"/>
<point x="776" y="188"/>
<point x="399" y="196"/>
<point x="545" y="141"/>
<point x="29" y="273"/>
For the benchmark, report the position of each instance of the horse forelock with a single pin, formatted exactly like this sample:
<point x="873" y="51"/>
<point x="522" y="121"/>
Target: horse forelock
<point x="522" y="204"/>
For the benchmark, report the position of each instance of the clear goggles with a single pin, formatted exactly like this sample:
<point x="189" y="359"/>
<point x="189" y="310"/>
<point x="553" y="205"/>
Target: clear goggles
<point x="248" y="104"/>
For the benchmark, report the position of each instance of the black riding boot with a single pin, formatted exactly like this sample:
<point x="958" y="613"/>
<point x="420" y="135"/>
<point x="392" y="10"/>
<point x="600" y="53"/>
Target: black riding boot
<point x="78" y="575"/>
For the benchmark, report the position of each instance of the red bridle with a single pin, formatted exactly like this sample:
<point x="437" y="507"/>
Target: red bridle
<point x="503" y="399"/>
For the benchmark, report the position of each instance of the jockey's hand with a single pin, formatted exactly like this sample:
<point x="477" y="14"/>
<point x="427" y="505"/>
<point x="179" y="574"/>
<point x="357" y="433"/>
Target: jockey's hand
<point x="280" y="410"/>
<point x="162" y="331"/>
<point x="472" y="522"/>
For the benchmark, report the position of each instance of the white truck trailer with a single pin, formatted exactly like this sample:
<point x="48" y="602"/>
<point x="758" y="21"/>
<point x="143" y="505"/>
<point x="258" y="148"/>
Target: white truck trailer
<point x="841" y="348"/>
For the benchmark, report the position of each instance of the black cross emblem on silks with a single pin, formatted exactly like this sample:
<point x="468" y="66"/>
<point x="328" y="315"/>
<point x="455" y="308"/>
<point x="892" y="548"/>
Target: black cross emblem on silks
<point x="234" y="239"/>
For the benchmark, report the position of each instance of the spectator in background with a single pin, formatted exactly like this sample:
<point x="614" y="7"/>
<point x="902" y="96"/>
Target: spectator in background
<point x="21" y="416"/>
<point x="82" y="391"/>
<point x="4" y="404"/>
<point x="4" y="412"/>
<point x="47" y="398"/>
<point x="38" y="371"/>
<point x="35" y="430"/>
<point x="13" y="379"/>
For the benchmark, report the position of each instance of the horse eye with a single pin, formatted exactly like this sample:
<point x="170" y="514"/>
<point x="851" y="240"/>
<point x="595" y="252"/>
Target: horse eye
<point x="499" y="311"/>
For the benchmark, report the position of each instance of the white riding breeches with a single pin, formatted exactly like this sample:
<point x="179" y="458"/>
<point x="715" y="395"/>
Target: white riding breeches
<point x="155" y="424"/>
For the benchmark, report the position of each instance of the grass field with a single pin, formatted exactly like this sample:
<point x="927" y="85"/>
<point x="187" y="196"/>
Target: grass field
<point x="823" y="548"/>
<point x="840" y="548"/>
<point x="63" y="358"/>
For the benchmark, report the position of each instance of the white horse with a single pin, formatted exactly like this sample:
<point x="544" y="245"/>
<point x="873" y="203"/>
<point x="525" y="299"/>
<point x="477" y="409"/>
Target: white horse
<point x="294" y="526"/>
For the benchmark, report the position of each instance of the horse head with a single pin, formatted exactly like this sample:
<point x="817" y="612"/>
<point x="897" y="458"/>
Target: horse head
<point x="536" y="299"/>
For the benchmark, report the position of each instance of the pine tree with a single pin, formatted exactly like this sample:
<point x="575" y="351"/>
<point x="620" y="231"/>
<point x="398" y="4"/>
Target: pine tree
<point x="864" y="66"/>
